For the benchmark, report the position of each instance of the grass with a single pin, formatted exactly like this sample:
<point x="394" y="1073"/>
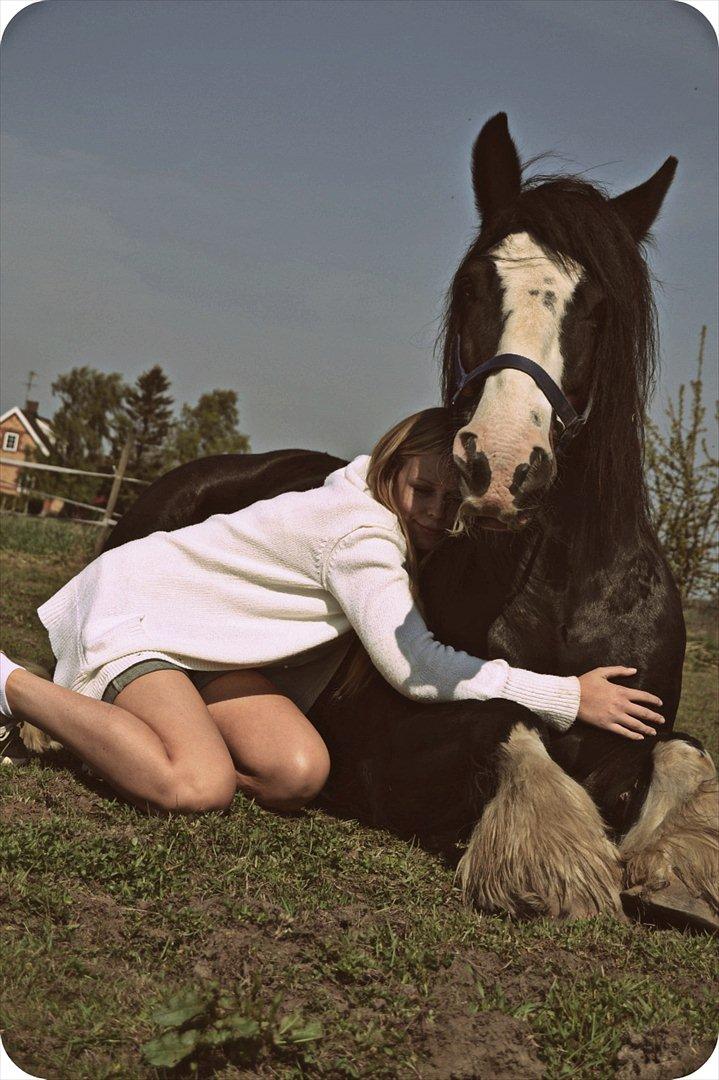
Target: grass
<point x="46" y="536"/>
<point x="339" y="951"/>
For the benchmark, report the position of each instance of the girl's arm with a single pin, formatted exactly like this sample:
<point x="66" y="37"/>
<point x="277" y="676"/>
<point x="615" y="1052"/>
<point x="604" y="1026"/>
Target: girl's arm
<point x="365" y="572"/>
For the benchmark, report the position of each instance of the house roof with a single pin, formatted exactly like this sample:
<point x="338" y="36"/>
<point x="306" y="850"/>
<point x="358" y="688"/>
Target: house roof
<point x="38" y="428"/>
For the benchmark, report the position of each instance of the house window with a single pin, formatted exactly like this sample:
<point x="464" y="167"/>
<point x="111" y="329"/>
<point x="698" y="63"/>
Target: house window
<point x="10" y="441"/>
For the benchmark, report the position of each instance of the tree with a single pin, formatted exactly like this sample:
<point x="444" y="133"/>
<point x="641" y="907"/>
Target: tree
<point x="149" y="408"/>
<point x="87" y="426"/>
<point x="98" y="411"/>
<point x="147" y="416"/>
<point x="210" y="427"/>
<point x="682" y="479"/>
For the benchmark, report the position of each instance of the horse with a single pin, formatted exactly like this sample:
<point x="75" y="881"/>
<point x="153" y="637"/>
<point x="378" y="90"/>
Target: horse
<point x="548" y="347"/>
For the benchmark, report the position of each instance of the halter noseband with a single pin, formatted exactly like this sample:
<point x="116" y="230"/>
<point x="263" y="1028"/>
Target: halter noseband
<point x="569" y="418"/>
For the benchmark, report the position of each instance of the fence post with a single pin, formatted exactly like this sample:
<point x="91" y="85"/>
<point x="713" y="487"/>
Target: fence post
<point x="106" y="523"/>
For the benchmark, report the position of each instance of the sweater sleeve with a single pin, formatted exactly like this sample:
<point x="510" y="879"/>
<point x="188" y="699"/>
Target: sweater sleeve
<point x="364" y="571"/>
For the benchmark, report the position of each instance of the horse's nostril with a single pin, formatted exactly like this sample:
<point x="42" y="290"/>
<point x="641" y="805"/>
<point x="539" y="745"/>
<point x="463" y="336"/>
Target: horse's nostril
<point x="469" y="444"/>
<point x="520" y="475"/>
<point x="531" y="479"/>
<point x="538" y="456"/>
<point x="480" y="473"/>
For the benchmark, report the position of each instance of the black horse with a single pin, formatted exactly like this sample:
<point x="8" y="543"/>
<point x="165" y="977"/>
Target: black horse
<point x="558" y="571"/>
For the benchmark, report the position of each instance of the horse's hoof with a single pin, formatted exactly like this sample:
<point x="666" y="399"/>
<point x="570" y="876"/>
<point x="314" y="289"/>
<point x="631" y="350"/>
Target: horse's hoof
<point x="672" y="905"/>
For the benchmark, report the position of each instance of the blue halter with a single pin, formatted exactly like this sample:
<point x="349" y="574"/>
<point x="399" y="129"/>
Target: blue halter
<point x="568" y="417"/>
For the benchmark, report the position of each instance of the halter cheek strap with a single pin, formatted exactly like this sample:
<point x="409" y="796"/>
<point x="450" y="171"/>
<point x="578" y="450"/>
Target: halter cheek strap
<point x="570" y="420"/>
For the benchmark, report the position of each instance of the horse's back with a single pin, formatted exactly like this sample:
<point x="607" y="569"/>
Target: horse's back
<point x="221" y="484"/>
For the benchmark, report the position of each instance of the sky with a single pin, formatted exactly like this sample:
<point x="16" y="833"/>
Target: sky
<point x="272" y="197"/>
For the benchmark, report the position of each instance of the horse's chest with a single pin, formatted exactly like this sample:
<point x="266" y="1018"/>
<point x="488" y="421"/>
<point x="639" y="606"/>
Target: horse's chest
<point x="528" y="632"/>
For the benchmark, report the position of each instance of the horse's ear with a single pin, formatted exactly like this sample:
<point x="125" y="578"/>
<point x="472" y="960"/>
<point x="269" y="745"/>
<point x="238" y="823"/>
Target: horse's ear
<point x="639" y="206"/>
<point x="496" y="171"/>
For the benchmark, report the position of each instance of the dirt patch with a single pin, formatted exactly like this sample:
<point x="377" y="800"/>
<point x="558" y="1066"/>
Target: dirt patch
<point x="459" y="1035"/>
<point x="463" y="1047"/>
<point x="465" y="1039"/>
<point x="13" y="810"/>
<point x="99" y="924"/>
<point x="241" y="948"/>
<point x="238" y="952"/>
<point x="661" y="1054"/>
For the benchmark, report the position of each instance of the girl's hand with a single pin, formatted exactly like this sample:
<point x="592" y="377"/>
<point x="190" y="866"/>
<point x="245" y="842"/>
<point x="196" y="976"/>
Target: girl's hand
<point x="616" y="708"/>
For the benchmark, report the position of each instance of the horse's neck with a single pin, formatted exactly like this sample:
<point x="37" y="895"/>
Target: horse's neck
<point x="562" y="603"/>
<point x="577" y="512"/>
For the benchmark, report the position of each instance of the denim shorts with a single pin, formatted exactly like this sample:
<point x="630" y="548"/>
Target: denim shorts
<point x="199" y="679"/>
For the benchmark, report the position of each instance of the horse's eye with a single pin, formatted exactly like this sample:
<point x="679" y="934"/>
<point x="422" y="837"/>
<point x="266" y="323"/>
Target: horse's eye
<point x="590" y="299"/>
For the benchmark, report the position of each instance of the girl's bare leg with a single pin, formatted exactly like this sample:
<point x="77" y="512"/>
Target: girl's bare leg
<point x="280" y="758"/>
<point x="156" y="745"/>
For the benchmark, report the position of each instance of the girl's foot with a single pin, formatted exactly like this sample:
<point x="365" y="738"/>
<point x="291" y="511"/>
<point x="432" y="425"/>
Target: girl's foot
<point x="6" y="669"/>
<point x="12" y="749"/>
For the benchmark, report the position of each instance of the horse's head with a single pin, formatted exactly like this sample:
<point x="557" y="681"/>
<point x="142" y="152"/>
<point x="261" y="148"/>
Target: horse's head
<point x="552" y="276"/>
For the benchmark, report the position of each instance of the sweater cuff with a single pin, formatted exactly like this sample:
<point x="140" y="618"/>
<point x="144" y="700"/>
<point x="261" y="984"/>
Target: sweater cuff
<point x="552" y="697"/>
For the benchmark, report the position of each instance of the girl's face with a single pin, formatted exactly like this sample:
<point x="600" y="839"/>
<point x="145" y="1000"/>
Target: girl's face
<point x="427" y="495"/>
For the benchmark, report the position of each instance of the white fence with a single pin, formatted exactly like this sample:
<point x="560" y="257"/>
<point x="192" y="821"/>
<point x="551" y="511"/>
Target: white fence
<point x="118" y="477"/>
<point x="73" y="472"/>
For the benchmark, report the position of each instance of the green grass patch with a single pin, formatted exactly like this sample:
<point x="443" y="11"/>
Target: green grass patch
<point x="46" y="536"/>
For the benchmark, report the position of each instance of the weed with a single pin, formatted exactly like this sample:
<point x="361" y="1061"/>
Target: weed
<point x="211" y="1023"/>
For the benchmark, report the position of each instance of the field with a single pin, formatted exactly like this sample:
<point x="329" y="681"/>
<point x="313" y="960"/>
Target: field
<point x="302" y="945"/>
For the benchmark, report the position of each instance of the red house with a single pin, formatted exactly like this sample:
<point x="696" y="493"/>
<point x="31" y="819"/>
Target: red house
<point x="24" y="436"/>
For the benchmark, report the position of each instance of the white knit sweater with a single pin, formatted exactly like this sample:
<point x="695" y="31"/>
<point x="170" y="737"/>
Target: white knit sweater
<point x="282" y="576"/>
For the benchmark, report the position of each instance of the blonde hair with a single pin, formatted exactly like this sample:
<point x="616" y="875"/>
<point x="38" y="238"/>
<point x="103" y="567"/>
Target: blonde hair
<point x="430" y="431"/>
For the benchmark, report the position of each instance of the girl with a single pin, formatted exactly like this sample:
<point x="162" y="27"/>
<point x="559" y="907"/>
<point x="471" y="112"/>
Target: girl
<point x="186" y="661"/>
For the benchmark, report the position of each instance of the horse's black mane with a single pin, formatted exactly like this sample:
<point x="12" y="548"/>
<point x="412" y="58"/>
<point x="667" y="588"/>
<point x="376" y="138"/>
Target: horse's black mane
<point x="601" y="491"/>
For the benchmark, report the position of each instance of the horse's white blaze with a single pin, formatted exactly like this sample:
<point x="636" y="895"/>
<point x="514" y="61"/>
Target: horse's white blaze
<point x="513" y="415"/>
<point x="536" y="293"/>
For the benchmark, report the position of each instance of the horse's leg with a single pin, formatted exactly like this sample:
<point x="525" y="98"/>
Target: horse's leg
<point x="479" y="772"/>
<point x="540" y="847"/>
<point x="671" y="853"/>
<point x="660" y="796"/>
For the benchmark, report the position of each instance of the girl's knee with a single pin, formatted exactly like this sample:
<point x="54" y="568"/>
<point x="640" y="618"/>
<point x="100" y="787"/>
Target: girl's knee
<point x="209" y="798"/>
<point x="311" y="771"/>
<point x="297" y="781"/>
<point x="199" y="794"/>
